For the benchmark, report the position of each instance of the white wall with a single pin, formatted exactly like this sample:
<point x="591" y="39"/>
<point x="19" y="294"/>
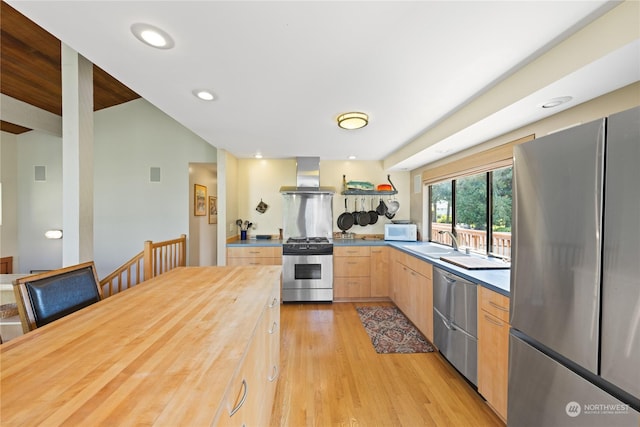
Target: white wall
<point x="202" y="235"/>
<point x="128" y="208"/>
<point x="9" y="214"/>
<point x="39" y="202"/>
<point x="261" y="180"/>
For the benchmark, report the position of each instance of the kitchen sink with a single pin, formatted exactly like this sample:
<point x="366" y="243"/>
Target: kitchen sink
<point x="434" y="252"/>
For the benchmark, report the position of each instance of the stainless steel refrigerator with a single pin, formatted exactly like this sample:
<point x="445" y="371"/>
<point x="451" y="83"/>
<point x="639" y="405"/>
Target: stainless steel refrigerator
<point x="574" y="355"/>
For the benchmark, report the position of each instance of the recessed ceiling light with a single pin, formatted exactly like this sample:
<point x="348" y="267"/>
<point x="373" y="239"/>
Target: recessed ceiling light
<point x="152" y="36"/>
<point x="204" y="94"/>
<point x="353" y="120"/>
<point x="557" y="101"/>
<point x="352" y="157"/>
<point x="258" y="156"/>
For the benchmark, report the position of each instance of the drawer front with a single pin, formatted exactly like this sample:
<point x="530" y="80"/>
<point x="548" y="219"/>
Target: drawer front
<point x="418" y="265"/>
<point x="351" y="250"/>
<point x="351" y="266"/>
<point x="351" y="287"/>
<point x="254" y="261"/>
<point x="494" y="303"/>
<point x="257" y="251"/>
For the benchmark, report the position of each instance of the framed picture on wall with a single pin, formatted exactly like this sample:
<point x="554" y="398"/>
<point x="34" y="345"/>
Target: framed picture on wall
<point x="199" y="200"/>
<point x="213" y="210"/>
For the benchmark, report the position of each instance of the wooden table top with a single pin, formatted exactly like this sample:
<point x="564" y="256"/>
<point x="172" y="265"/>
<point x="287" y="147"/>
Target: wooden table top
<point x="160" y="353"/>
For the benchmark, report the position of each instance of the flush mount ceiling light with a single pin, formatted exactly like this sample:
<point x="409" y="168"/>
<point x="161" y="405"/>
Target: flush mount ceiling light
<point x="152" y="36"/>
<point x="557" y="101"/>
<point x="204" y="94"/>
<point x="258" y="155"/>
<point x="353" y="120"/>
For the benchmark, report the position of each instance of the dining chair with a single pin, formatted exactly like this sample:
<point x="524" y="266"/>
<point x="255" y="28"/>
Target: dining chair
<point x="43" y="298"/>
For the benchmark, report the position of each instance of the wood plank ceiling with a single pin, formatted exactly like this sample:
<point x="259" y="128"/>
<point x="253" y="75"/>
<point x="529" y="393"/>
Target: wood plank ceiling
<point x="30" y="69"/>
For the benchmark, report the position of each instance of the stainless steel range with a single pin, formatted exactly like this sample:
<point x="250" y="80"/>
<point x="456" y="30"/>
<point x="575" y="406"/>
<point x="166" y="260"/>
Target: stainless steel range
<point x="307" y="254"/>
<point x="307" y="269"/>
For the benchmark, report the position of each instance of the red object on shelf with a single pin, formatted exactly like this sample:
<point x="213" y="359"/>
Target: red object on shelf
<point x="384" y="187"/>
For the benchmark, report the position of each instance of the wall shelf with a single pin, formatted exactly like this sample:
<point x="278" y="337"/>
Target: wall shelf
<point x="369" y="192"/>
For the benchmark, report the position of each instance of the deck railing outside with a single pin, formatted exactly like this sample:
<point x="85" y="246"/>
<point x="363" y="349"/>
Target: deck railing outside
<point x="474" y="239"/>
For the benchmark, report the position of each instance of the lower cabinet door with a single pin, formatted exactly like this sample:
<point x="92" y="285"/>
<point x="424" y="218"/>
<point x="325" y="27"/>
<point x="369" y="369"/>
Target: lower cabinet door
<point x="493" y="361"/>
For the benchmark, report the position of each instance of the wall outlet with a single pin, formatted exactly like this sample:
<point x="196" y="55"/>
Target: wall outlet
<point x="231" y="227"/>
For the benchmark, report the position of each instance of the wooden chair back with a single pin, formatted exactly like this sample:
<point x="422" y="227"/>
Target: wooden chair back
<point x="43" y="298"/>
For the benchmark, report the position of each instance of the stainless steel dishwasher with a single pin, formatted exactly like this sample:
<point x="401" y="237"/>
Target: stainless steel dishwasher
<point x="455" y="321"/>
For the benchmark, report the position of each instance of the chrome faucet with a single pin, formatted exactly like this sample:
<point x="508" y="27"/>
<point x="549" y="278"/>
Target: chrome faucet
<point x="454" y="240"/>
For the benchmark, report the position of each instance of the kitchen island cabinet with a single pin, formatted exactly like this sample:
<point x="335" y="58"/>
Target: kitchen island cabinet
<point x="493" y="349"/>
<point x="180" y="349"/>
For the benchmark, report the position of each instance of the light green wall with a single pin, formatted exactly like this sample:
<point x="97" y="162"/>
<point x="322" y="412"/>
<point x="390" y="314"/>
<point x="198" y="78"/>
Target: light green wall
<point x="128" y="208"/>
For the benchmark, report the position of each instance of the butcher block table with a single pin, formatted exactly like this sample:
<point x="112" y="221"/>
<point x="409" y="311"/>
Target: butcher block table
<point x="185" y="348"/>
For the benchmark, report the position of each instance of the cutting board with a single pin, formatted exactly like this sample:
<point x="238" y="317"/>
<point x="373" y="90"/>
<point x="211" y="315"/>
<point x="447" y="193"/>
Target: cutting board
<point x="472" y="263"/>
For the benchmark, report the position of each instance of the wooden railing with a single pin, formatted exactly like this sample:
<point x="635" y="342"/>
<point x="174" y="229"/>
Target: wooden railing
<point x="155" y="259"/>
<point x="474" y="239"/>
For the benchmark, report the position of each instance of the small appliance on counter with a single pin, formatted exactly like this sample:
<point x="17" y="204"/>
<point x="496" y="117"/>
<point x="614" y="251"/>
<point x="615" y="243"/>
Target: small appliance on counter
<point x="401" y="232"/>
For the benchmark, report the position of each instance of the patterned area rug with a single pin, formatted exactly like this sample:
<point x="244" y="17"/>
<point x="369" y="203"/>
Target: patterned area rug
<point x="391" y="332"/>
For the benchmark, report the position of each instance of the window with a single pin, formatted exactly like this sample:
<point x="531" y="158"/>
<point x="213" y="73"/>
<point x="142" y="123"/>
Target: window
<point x="480" y="207"/>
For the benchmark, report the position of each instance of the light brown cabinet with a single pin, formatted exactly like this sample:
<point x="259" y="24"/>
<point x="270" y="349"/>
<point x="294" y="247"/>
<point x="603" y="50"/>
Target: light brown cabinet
<point x="361" y="273"/>
<point x="351" y="272"/>
<point x="493" y="349"/>
<point x="254" y="255"/>
<point x="412" y="290"/>
<point x="250" y="395"/>
<point x="380" y="271"/>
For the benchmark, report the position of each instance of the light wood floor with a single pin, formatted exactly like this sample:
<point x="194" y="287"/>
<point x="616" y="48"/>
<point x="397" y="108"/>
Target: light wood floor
<point x="332" y="376"/>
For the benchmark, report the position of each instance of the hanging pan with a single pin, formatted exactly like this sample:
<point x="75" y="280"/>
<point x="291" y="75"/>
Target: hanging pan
<point x="345" y="220"/>
<point x="373" y="215"/>
<point x="363" y="216"/>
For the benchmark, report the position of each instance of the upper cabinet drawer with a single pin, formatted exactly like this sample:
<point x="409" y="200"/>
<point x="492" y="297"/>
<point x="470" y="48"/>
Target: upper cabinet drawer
<point x="351" y="250"/>
<point x="254" y="251"/>
<point x="494" y="303"/>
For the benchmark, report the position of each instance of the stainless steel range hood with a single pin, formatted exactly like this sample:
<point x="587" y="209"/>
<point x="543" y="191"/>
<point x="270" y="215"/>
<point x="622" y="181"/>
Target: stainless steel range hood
<point x="307" y="178"/>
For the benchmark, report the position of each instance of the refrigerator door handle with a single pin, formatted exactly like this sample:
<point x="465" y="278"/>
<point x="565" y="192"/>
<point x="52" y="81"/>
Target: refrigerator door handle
<point x="599" y="189"/>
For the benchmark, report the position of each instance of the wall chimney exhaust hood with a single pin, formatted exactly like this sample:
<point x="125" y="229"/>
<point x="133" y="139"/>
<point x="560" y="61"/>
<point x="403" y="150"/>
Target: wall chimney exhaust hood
<point x="307" y="178"/>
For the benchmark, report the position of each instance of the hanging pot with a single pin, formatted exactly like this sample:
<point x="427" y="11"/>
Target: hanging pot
<point x="345" y="220"/>
<point x="373" y="214"/>
<point x="382" y="207"/>
<point x="393" y="206"/>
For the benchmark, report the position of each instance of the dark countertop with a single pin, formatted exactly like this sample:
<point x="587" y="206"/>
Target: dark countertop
<point x="496" y="280"/>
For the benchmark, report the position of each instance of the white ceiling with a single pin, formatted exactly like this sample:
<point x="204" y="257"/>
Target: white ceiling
<point x="283" y="71"/>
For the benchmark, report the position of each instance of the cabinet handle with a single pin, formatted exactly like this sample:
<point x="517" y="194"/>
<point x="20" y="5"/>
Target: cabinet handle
<point x="351" y="262"/>
<point x="275" y="374"/>
<point x="245" y="388"/>
<point x="492" y="320"/>
<point x="274" y="302"/>
<point x="499" y="307"/>
<point x="273" y="327"/>
<point x="254" y="252"/>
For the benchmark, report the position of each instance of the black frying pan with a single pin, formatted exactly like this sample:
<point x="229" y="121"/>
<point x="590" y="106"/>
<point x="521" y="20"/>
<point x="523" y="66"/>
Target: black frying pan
<point x="373" y="215"/>
<point x="345" y="220"/>
<point x="363" y="216"/>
